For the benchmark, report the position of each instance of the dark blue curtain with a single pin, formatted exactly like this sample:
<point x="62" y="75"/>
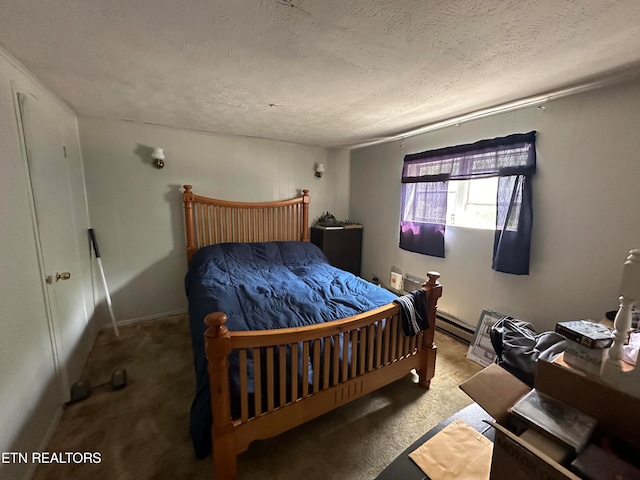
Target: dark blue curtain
<point x="425" y="179"/>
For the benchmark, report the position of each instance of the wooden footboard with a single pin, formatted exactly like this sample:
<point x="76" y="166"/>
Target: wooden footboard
<point x="303" y="372"/>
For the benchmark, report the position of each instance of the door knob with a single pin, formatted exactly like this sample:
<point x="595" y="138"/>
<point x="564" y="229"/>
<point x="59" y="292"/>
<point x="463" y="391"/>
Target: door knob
<point x="63" y="276"/>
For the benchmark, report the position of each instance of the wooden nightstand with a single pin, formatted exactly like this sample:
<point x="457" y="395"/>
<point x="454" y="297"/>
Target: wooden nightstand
<point x="342" y="246"/>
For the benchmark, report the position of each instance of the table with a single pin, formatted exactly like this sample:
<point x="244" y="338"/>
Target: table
<point x="404" y="468"/>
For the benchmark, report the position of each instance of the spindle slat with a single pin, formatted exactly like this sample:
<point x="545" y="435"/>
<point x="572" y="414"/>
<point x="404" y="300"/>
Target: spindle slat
<point x="392" y="340"/>
<point x="305" y="369"/>
<point x="244" y="391"/>
<point x="326" y="359"/>
<point x="371" y="333"/>
<point x="386" y="341"/>
<point x="363" y="342"/>
<point x="294" y="371"/>
<point x="282" y="368"/>
<point x="345" y="355"/>
<point x="379" y="347"/>
<point x="316" y="366"/>
<point x="270" y="377"/>
<point x="354" y="354"/>
<point x="257" y="382"/>
<point x="336" y="358"/>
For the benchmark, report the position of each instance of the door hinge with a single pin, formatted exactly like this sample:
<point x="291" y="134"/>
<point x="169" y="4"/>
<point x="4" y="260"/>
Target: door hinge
<point x="64" y="149"/>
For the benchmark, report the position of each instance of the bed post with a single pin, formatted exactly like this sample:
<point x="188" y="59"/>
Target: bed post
<point x="188" y="199"/>
<point x="218" y="348"/>
<point x="305" y="215"/>
<point x="428" y="367"/>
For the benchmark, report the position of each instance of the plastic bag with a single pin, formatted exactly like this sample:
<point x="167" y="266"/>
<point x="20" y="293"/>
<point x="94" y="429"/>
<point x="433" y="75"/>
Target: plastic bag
<point x="630" y="351"/>
<point x="519" y="347"/>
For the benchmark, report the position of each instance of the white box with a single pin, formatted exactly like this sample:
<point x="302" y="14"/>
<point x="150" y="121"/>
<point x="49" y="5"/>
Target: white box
<point x="396" y="281"/>
<point x="584" y="358"/>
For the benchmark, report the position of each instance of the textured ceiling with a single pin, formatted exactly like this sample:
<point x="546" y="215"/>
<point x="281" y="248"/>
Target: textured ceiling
<point x="336" y="73"/>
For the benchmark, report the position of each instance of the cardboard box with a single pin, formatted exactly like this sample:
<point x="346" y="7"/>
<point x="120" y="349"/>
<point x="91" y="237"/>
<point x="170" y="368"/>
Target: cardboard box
<point x="584" y="358"/>
<point x="496" y="390"/>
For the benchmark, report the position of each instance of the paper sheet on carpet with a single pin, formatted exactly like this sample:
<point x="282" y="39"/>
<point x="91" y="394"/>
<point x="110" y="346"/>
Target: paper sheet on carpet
<point x="456" y="452"/>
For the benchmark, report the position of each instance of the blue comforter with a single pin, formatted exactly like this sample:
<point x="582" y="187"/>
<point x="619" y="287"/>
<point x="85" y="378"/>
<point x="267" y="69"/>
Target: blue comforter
<point x="263" y="286"/>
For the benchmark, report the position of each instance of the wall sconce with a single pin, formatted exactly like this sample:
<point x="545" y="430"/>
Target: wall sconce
<point x="319" y="170"/>
<point x="158" y="157"/>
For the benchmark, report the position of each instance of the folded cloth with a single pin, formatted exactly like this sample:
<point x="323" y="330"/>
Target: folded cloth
<point x="413" y="312"/>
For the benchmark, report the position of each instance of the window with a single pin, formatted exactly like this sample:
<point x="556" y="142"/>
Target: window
<point x="486" y="184"/>
<point x="472" y="203"/>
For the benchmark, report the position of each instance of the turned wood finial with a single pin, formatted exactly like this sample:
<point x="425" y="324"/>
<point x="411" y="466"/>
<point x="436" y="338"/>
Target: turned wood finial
<point x="215" y="321"/>
<point x="433" y="278"/>
<point x="305" y="216"/>
<point x="187" y="196"/>
<point x="432" y="286"/>
<point x="630" y="282"/>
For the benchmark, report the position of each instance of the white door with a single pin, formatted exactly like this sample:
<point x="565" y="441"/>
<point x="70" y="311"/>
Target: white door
<point x="57" y="234"/>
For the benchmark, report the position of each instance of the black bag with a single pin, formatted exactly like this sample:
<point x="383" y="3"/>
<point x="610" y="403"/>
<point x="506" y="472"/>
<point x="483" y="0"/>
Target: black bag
<point x="518" y="347"/>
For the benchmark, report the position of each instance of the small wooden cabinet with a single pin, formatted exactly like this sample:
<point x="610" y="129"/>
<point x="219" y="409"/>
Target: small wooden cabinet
<point x="342" y="246"/>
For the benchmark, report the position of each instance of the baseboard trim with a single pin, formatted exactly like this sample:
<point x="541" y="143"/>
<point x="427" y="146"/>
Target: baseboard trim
<point x="132" y="321"/>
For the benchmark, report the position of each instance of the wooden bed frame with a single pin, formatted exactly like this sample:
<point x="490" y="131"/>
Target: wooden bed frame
<point x="374" y="339"/>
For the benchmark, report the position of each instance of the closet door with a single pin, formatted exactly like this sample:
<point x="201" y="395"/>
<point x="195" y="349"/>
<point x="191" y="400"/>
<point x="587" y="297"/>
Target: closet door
<point x="57" y="235"/>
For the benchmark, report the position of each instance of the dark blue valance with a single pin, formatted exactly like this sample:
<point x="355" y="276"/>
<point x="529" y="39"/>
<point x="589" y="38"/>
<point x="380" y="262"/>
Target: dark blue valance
<point x="497" y="157"/>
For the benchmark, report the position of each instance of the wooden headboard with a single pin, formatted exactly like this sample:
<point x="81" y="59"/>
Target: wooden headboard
<point x="209" y="221"/>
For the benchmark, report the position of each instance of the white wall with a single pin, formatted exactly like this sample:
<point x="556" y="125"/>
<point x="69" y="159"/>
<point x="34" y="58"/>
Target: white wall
<point x="30" y="392"/>
<point x="137" y="211"/>
<point x="586" y="211"/>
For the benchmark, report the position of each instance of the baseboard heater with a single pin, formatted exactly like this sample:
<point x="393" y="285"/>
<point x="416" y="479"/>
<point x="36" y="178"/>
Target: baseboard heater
<point x="454" y="326"/>
<point x="444" y="321"/>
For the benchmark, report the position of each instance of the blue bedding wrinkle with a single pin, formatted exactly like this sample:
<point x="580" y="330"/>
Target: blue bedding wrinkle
<point x="262" y="286"/>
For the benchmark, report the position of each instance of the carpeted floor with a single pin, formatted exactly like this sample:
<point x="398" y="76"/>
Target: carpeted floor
<point x="141" y="431"/>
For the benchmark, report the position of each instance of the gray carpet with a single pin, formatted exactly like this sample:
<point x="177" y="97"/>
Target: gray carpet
<point x="141" y="431"/>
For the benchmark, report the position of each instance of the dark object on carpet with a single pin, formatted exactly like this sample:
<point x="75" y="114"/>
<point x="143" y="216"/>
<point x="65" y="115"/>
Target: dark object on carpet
<point x="519" y="347"/>
<point x="119" y="379"/>
<point x="81" y="390"/>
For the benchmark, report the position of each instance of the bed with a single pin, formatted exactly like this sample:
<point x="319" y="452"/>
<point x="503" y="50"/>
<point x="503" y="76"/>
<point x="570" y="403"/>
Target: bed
<point x="325" y="338"/>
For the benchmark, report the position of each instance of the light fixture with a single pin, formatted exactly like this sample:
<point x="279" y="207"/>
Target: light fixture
<point x="158" y="157"/>
<point x="319" y="170"/>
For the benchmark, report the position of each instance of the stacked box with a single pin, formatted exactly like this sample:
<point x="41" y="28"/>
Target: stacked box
<point x="587" y="359"/>
<point x="587" y="344"/>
